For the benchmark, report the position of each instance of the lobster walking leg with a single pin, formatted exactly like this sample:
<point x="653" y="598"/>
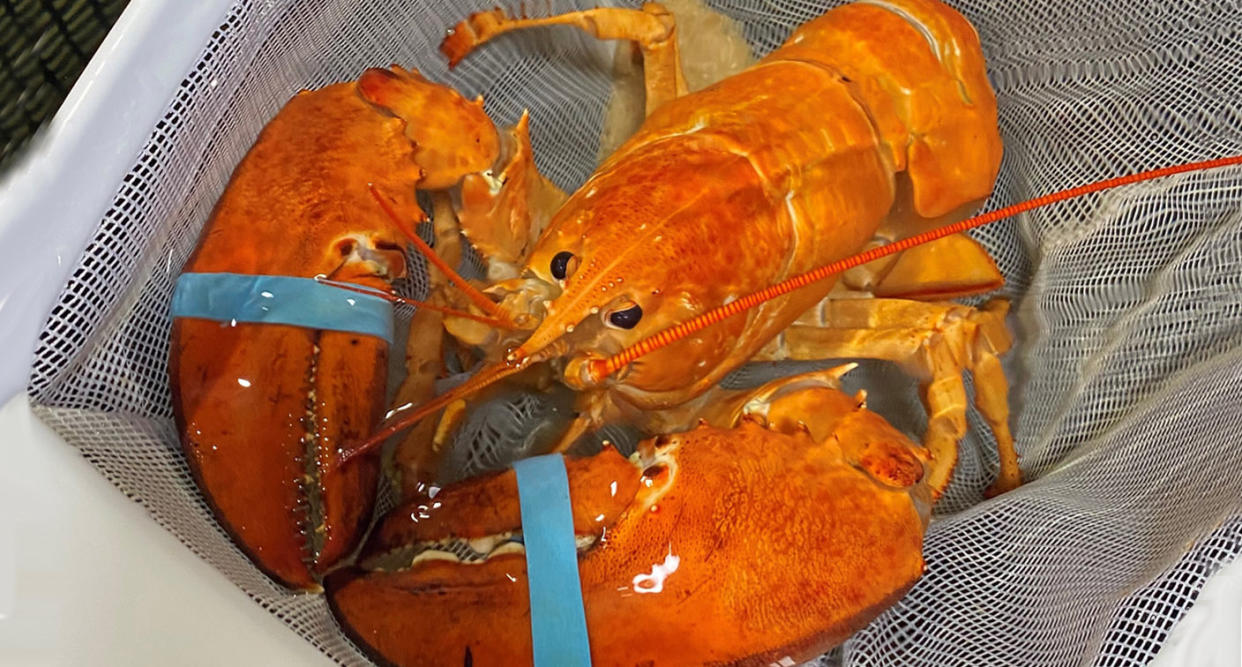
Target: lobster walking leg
<point x="652" y="29"/>
<point x="934" y="343"/>
<point x="424" y="353"/>
<point x="992" y="394"/>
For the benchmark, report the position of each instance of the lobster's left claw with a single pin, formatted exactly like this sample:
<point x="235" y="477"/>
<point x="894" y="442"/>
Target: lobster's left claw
<point x="742" y="545"/>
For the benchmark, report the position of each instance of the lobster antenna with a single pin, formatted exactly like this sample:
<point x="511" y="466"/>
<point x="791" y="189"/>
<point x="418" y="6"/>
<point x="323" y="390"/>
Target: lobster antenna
<point x="394" y="298"/>
<point x="599" y="369"/>
<point x="394" y="424"/>
<point x="476" y="297"/>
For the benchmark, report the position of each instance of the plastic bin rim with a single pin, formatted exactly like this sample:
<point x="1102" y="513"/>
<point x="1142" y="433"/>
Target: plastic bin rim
<point x="54" y="196"/>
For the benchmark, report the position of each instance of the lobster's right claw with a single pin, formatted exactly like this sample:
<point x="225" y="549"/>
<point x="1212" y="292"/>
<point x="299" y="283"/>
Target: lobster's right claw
<point x="747" y="544"/>
<point x="264" y="410"/>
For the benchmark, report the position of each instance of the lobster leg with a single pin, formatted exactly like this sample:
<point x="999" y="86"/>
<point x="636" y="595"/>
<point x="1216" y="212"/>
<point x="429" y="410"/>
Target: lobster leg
<point x="424" y="353"/>
<point x="652" y="29"/>
<point x="934" y="342"/>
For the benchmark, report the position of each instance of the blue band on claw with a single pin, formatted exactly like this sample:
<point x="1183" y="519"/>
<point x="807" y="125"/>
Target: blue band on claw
<point x="557" y="619"/>
<point x="301" y="302"/>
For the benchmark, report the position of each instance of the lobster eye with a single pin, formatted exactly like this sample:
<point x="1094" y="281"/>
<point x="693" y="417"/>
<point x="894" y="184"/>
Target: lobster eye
<point x="626" y="319"/>
<point x="560" y="264"/>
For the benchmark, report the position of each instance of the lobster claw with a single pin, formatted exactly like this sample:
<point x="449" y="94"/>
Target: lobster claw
<point x="262" y="410"/>
<point x="265" y="410"/>
<point x="742" y="545"/>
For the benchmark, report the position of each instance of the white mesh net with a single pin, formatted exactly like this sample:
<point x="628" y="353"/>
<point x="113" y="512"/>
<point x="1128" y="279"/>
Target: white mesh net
<point x="1128" y="315"/>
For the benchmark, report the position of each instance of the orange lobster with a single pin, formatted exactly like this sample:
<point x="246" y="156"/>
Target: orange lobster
<point x="725" y="191"/>
<point x="870" y="123"/>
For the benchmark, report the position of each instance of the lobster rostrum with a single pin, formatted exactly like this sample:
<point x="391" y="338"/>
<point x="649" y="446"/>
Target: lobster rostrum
<point x="869" y="124"/>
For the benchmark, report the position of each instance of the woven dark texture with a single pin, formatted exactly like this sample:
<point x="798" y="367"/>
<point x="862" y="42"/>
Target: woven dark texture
<point x="44" y="46"/>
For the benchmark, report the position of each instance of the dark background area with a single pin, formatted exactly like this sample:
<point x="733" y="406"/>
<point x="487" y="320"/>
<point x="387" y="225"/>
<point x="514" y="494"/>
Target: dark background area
<point x="44" y="46"/>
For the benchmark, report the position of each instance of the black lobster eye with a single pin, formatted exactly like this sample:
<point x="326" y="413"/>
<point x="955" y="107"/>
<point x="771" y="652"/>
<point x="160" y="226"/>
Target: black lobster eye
<point x="560" y="264"/>
<point x="626" y="319"/>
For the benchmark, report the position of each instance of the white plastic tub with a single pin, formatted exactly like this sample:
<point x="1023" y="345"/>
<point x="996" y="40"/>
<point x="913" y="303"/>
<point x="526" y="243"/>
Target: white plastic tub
<point x="85" y="575"/>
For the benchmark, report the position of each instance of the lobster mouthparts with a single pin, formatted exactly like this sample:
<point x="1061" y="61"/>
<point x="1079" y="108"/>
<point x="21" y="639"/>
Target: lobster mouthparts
<point x="744" y="545"/>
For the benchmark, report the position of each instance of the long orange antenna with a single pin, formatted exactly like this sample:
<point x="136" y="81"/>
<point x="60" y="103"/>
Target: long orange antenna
<point x="393" y="298"/>
<point x="476" y="297"/>
<point x="601" y="368"/>
<point x="411" y="415"/>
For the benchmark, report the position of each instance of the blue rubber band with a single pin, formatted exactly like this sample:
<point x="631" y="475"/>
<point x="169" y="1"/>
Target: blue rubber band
<point x="557" y="619"/>
<point x="302" y="302"/>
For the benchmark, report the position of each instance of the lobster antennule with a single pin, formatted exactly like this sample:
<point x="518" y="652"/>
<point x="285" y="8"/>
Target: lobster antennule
<point x="598" y="369"/>
<point x="476" y="297"/>
<point x="395" y="424"/>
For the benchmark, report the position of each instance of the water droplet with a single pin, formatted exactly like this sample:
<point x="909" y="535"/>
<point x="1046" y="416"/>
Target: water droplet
<point x="653" y="582"/>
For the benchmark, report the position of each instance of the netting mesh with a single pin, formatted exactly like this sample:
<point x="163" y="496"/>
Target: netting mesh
<point x="1128" y="314"/>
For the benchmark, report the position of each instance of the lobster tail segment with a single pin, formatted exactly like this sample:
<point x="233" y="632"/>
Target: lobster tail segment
<point x="918" y="68"/>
